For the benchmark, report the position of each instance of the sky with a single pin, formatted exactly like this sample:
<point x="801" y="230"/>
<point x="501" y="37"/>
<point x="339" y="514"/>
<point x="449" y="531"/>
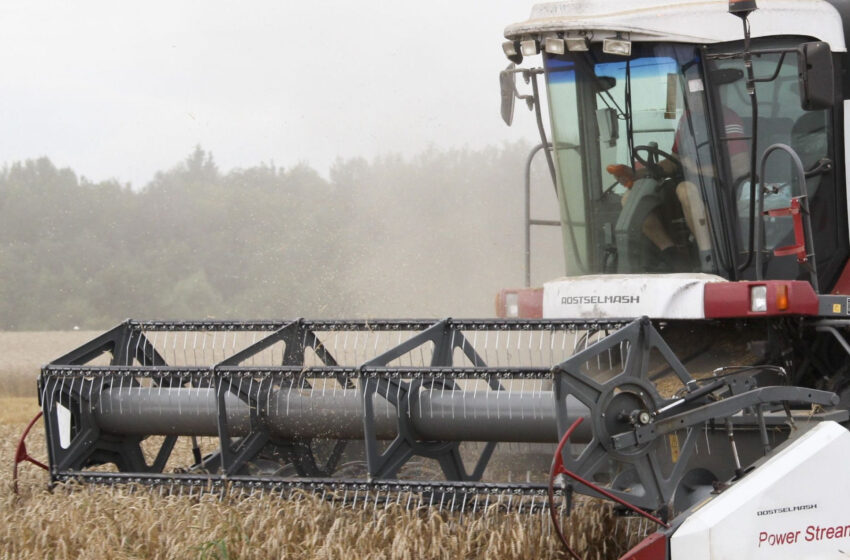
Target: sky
<point x="121" y="90"/>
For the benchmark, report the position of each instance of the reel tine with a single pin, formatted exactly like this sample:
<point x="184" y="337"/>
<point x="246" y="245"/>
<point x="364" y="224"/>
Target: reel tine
<point x="288" y="394"/>
<point x="519" y="347"/>
<point x="375" y="505"/>
<point x="419" y="397"/>
<point x="497" y="348"/>
<point x="136" y="353"/>
<point x="120" y="390"/>
<point x="397" y="396"/>
<point x="487" y="346"/>
<point x="409" y="394"/>
<point x="71" y="392"/>
<point x="442" y="393"/>
<point x="540" y="349"/>
<point x="195" y="349"/>
<point x="271" y="383"/>
<point x="510" y="385"/>
<point x="185" y="344"/>
<point x="387" y="399"/>
<point x="489" y="391"/>
<point x="508" y="359"/>
<point x="61" y="389"/>
<point x="204" y="348"/>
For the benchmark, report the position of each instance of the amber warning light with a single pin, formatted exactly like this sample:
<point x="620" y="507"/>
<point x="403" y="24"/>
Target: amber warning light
<point x="782" y="297"/>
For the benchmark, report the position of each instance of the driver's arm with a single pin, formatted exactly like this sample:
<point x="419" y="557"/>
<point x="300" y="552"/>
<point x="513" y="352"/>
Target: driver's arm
<point x="627" y="177"/>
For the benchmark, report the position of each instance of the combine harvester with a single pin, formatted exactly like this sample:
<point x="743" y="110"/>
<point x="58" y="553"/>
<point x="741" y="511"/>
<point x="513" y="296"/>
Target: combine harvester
<point x="701" y="336"/>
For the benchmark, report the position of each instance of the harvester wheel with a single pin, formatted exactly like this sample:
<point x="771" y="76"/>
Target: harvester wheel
<point x="21" y="453"/>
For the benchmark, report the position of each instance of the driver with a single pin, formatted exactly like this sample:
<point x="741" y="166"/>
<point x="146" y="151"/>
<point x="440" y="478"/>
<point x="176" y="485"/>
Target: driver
<point x="686" y="191"/>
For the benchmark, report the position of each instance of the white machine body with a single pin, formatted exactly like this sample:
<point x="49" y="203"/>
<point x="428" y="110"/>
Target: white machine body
<point x="661" y="296"/>
<point x="794" y="506"/>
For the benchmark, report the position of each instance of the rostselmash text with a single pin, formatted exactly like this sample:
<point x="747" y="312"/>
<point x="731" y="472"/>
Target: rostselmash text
<point x="595" y="300"/>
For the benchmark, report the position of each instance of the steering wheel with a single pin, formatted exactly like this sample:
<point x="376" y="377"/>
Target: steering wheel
<point x="654" y="155"/>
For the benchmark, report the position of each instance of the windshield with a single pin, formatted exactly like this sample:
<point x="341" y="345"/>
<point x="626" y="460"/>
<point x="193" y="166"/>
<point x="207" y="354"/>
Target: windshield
<point x="633" y="160"/>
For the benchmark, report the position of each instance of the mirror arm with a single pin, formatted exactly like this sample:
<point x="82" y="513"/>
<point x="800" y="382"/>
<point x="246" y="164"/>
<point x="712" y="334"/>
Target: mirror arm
<point x="775" y="72"/>
<point x="820" y="167"/>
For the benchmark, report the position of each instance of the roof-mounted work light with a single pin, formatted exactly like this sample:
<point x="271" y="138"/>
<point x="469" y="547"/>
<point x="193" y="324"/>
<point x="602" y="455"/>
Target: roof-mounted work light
<point x="554" y="45"/>
<point x="618" y="45"/>
<point x="529" y="47"/>
<point x="578" y="44"/>
<point x="511" y="49"/>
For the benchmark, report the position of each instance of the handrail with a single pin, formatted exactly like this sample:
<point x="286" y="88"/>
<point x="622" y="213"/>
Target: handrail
<point x="803" y="199"/>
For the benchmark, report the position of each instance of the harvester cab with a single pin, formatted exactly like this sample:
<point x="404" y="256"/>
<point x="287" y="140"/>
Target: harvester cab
<point x="692" y="366"/>
<point x="682" y="145"/>
<point x="698" y="155"/>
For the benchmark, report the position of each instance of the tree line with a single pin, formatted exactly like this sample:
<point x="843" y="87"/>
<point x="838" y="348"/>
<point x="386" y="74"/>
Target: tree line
<point x="432" y="235"/>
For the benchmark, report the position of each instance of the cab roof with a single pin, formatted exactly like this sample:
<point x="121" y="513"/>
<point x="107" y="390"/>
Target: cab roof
<point x="685" y="21"/>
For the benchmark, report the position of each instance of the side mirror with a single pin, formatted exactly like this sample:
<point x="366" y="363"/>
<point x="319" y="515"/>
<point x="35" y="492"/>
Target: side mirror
<point x="604" y="83"/>
<point x="507" y="83"/>
<point x="815" y="74"/>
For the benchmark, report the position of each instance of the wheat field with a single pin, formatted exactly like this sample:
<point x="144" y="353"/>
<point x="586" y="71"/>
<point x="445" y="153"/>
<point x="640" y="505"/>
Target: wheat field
<point x="128" y="523"/>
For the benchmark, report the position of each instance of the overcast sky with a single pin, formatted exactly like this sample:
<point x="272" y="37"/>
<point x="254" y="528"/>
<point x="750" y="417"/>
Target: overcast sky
<point x="122" y="90"/>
